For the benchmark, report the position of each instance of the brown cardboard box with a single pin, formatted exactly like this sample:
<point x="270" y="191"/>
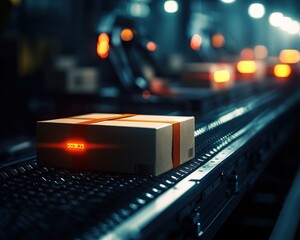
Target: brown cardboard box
<point x="126" y="143"/>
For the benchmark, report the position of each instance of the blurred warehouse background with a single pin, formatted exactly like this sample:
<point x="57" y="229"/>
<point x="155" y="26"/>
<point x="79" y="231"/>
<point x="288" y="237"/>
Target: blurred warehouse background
<point x="53" y="58"/>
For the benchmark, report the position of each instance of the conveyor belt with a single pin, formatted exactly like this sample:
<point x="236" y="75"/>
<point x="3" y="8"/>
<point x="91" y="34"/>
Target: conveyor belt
<point x="40" y="202"/>
<point x="202" y="183"/>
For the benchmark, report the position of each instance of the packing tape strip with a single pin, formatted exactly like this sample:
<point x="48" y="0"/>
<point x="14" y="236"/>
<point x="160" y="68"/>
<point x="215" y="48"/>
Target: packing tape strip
<point x="81" y="131"/>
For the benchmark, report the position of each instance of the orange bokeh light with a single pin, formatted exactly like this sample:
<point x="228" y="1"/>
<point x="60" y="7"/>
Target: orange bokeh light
<point x="218" y="40"/>
<point x="127" y="34"/>
<point x="247" y="54"/>
<point x="196" y="42"/>
<point x="289" y="56"/>
<point x="246" y="66"/>
<point x="103" y="37"/>
<point x="151" y="46"/>
<point x="103" y="45"/>
<point x="282" y="70"/>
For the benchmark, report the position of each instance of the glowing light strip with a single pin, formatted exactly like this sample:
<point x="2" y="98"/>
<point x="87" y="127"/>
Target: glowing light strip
<point x="76" y="145"/>
<point x="72" y="145"/>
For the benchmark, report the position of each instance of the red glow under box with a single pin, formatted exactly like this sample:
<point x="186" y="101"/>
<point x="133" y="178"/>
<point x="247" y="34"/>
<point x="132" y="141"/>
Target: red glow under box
<point x="125" y="143"/>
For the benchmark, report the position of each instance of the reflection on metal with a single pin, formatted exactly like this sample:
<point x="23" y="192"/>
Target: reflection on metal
<point x="233" y="114"/>
<point x="225" y="118"/>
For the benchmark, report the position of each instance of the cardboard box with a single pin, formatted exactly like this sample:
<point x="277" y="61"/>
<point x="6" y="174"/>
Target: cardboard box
<point x="125" y="143"/>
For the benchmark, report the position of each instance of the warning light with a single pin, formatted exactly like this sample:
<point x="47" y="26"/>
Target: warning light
<point x="289" y="56"/>
<point x="126" y="34"/>
<point x="75" y="145"/>
<point x="103" y="45"/>
<point x="196" y="42"/>
<point x="151" y="46"/>
<point x="282" y="70"/>
<point x="246" y="66"/>
<point x="221" y="76"/>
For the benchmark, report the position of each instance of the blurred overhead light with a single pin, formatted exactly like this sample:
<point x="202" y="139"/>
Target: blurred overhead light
<point x="256" y="10"/>
<point x="293" y="27"/>
<point x="275" y="19"/>
<point x="171" y="6"/>
<point x="285" y="22"/>
<point x="282" y="70"/>
<point x="289" y="56"/>
<point x="227" y="1"/>
<point x="196" y="42"/>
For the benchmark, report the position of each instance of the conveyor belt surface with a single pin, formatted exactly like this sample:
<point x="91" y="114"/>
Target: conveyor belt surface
<point x="45" y="203"/>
